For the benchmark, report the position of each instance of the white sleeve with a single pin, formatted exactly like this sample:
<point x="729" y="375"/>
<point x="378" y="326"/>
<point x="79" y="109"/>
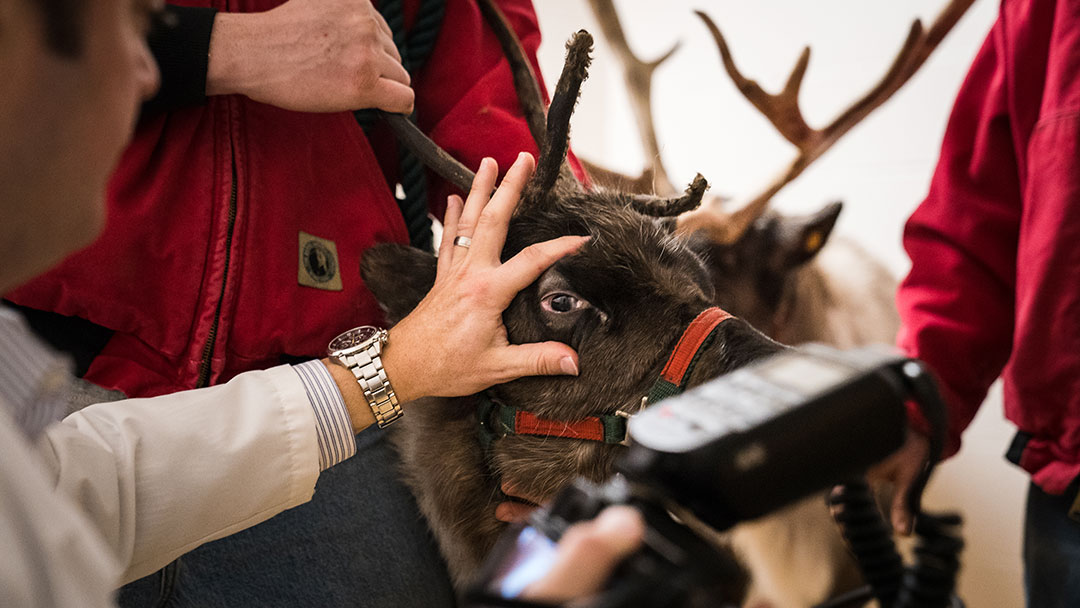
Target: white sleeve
<point x="51" y="556"/>
<point x="158" y="477"/>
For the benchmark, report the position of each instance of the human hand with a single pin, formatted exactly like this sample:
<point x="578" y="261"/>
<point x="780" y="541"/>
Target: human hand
<point x="454" y="343"/>
<point x="901" y="469"/>
<point x="310" y="56"/>
<point x="587" y="555"/>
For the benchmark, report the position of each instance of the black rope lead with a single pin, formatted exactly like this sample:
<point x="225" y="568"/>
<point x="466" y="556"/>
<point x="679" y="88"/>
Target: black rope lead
<point x="415" y="47"/>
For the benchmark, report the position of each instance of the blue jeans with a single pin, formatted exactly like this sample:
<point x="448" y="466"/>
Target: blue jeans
<point x="1051" y="550"/>
<point x="361" y="542"/>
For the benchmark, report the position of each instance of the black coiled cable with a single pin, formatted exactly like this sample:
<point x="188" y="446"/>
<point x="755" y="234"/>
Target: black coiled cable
<point x="929" y="583"/>
<point x="869" y="538"/>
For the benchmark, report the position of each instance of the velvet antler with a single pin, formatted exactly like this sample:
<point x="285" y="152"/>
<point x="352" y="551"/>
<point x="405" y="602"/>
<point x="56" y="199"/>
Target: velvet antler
<point x="553" y="151"/>
<point x="671" y="207"/>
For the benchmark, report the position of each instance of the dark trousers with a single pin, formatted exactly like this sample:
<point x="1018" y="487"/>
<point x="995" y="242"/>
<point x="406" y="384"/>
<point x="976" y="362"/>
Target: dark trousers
<point x="360" y="543"/>
<point x="1051" y="550"/>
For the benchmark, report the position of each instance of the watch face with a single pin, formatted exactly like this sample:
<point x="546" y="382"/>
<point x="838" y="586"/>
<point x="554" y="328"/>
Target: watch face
<point x="353" y="338"/>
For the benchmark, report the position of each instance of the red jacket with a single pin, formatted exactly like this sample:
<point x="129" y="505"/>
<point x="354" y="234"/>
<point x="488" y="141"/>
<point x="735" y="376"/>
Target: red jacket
<point x="995" y="282"/>
<point x="203" y="252"/>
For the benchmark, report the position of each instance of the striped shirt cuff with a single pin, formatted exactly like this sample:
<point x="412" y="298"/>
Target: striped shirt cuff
<point x="332" y="422"/>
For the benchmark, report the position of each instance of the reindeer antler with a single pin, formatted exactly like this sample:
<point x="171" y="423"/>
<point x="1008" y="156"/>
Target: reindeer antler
<point x="638" y="76"/>
<point x="551" y="165"/>
<point x="660" y="207"/>
<point x="782" y="110"/>
<point x="530" y="98"/>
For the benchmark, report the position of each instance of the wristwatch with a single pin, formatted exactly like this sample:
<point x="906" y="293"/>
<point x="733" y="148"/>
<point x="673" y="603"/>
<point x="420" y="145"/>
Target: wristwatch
<point x="359" y="350"/>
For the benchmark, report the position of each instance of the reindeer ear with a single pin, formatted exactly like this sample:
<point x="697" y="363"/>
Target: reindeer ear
<point x="398" y="276"/>
<point x="800" y="238"/>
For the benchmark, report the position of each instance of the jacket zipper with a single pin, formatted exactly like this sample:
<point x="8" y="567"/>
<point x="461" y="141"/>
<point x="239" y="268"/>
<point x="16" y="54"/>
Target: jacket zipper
<point x="208" y="349"/>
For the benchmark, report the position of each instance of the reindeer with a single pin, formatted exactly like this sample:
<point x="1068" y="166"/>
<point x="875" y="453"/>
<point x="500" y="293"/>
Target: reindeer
<point x="775" y="271"/>
<point x="622" y="302"/>
<point x="771" y="260"/>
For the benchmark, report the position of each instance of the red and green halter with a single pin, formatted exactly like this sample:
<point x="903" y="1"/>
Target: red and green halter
<point x="498" y="420"/>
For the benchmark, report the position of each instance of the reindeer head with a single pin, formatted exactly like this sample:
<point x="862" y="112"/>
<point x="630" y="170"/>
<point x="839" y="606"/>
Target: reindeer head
<point x="621" y="302"/>
<point x="754" y="275"/>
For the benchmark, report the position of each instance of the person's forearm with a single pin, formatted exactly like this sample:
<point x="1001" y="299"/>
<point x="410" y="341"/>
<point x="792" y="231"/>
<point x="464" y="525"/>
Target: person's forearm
<point x="359" y="412"/>
<point x="158" y="477"/>
<point x="957" y="303"/>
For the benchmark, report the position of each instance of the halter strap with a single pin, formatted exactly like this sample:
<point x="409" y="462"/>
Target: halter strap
<point x="697" y="337"/>
<point x="498" y="419"/>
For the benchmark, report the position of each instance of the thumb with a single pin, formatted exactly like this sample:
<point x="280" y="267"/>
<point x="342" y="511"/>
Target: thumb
<point x="392" y="96"/>
<point x="540" y="359"/>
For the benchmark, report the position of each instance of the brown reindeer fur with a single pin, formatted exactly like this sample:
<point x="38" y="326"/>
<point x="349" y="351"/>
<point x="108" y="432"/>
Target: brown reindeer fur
<point x="644" y="285"/>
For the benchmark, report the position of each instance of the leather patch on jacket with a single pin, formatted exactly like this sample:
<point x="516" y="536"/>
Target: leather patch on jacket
<point x="319" y="267"/>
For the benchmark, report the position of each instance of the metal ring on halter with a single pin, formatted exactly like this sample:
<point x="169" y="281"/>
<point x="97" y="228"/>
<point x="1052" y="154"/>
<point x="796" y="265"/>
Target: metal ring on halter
<point x="462" y="241"/>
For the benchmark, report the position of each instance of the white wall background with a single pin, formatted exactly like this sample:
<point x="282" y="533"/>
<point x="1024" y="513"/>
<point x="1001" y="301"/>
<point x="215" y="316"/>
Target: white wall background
<point x="880" y="170"/>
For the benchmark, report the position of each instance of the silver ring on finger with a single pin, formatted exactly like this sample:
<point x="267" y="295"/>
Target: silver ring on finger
<point x="462" y="241"/>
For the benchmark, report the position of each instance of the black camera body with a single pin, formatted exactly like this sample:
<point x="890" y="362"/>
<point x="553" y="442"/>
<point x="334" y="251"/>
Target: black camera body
<point x="732" y="450"/>
<point x="770" y="433"/>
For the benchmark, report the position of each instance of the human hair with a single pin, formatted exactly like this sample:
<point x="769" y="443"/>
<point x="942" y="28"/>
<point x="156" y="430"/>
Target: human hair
<point x="63" y="22"/>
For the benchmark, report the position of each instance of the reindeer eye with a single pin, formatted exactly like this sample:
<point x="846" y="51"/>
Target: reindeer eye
<point x="562" y="303"/>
